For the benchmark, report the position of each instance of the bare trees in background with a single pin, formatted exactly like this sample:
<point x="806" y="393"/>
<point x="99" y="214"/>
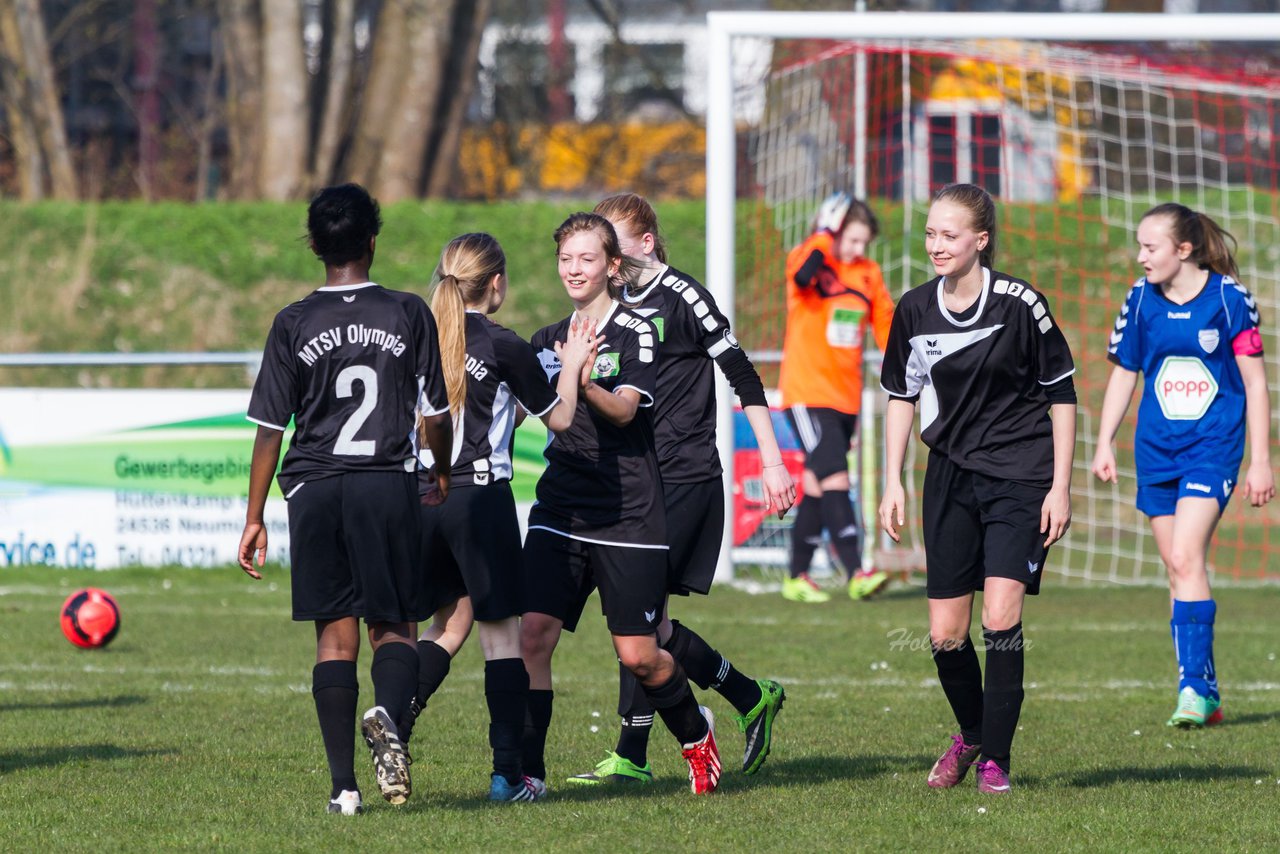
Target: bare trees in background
<point x="245" y="99"/>
<point x="38" y="138"/>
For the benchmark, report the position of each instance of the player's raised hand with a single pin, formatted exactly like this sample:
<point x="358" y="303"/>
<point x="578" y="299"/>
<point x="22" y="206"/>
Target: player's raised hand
<point x="253" y="541"/>
<point x="893" y="513"/>
<point x="1104" y="463"/>
<point x="1259" y="483"/>
<point x="579" y="345"/>
<point x="584" y="377"/>
<point x="779" y="488"/>
<point x="1055" y="515"/>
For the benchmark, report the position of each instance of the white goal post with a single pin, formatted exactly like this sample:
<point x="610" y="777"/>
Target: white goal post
<point x="729" y="99"/>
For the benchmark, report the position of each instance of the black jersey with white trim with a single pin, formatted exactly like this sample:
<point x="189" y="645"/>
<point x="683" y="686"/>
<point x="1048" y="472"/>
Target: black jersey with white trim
<point x="692" y="332"/>
<point x="601" y="483"/>
<point x="980" y="377"/>
<point x="502" y="370"/>
<point x="349" y="364"/>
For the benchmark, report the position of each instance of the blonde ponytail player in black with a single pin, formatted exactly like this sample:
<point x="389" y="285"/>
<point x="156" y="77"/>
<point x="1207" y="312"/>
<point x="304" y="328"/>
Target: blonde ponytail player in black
<point x="471" y="547"/>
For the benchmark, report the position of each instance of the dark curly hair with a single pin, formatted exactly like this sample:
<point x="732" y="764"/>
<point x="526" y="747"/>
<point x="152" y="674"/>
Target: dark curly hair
<point x="340" y="222"/>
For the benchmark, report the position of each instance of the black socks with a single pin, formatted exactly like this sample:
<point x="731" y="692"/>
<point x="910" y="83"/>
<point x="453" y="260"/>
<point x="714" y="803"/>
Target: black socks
<point x="637" y="718"/>
<point x="806" y="535"/>
<point x="433" y="667"/>
<point x="678" y="708"/>
<point x="336" y="691"/>
<point x="1003" y="695"/>
<point x="841" y="523"/>
<point x="709" y="669"/>
<point x="506" y="689"/>
<point x="961" y="678"/>
<point x="395" y="676"/>
<point x="537" y="721"/>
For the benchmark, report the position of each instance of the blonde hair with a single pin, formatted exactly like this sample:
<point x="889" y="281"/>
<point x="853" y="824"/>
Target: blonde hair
<point x="1209" y="249"/>
<point x="982" y="214"/>
<point x="636" y="212"/>
<point x="577" y="223"/>
<point x="467" y="267"/>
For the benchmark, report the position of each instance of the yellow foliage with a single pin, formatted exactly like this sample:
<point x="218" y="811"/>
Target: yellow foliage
<point x="587" y="159"/>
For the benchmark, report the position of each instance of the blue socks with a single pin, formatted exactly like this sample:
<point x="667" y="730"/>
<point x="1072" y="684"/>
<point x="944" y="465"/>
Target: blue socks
<point x="1192" y="630"/>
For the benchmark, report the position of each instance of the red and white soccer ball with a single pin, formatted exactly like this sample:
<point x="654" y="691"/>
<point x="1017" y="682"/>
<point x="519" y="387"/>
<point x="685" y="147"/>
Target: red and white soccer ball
<point x="90" y="618"/>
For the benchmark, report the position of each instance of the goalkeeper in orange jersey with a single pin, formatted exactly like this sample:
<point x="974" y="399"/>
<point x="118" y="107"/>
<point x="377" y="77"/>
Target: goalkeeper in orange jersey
<point x="834" y="293"/>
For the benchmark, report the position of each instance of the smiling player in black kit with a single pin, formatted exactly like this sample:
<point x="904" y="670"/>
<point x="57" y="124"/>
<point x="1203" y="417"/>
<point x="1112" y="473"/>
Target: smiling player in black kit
<point x="980" y="353"/>
<point x="599" y="520"/>
<point x="692" y="334"/>
<point x="357" y="368"/>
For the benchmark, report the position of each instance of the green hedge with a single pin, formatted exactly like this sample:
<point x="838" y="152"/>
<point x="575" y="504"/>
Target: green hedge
<point x="136" y="277"/>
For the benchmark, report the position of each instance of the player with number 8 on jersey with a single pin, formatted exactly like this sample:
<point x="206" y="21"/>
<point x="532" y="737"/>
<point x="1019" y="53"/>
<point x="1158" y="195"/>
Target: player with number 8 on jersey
<point x="1191" y="329"/>
<point x="356" y="367"/>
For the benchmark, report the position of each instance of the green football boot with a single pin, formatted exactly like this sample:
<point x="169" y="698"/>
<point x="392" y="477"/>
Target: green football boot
<point x="1194" y="711"/>
<point x="614" y="769"/>
<point x="803" y="589"/>
<point x="758" y="724"/>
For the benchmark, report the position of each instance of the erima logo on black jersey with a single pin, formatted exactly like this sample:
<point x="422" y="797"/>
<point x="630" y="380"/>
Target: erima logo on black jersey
<point x="931" y="347"/>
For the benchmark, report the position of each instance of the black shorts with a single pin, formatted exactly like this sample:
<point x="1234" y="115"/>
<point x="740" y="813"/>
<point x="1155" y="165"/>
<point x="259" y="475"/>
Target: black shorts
<point x="471" y="547"/>
<point x="825" y="435"/>
<point x="978" y="527"/>
<point x="695" y="527"/>
<point x="561" y="572"/>
<point x="353" y="541"/>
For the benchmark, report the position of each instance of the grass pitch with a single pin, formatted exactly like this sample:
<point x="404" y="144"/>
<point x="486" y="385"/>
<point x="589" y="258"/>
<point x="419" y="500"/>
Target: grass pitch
<point x="195" y="730"/>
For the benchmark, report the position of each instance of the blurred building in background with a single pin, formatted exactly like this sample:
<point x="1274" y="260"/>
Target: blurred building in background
<point x="204" y="99"/>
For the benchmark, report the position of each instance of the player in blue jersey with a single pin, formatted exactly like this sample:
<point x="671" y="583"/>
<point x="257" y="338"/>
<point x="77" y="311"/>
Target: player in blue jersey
<point x="352" y="365"/>
<point x="471" y="546"/>
<point x="1191" y="330"/>
<point x="991" y="370"/>
<point x="692" y="334"/>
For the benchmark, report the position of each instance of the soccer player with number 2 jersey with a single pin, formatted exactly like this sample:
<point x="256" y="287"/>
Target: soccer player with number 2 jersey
<point x="1191" y="329"/>
<point x="352" y="364"/>
<point x="980" y="353"/>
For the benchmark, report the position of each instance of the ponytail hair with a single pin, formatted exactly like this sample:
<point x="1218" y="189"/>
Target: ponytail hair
<point x="628" y="268"/>
<point x="451" y="323"/>
<point x="982" y="214"/>
<point x="467" y="268"/>
<point x="1209" y="241"/>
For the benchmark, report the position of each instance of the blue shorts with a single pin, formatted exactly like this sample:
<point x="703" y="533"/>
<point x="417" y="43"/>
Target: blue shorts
<point x="1161" y="499"/>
